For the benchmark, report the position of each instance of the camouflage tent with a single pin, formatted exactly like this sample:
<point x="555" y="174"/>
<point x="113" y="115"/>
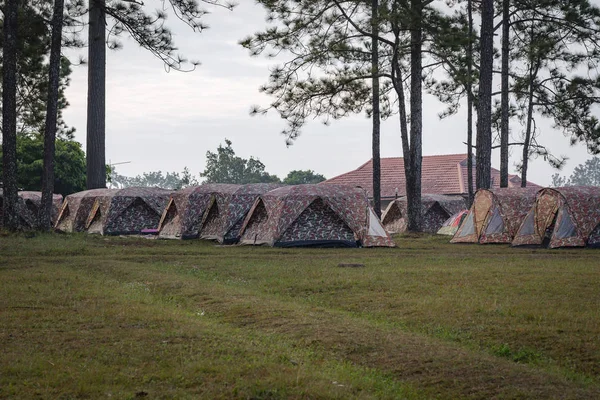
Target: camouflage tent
<point x="184" y="215"/>
<point x="76" y="209"/>
<point x="495" y="215"/>
<point x="450" y="226"/>
<point x="28" y="207"/>
<point x="435" y="209"/>
<point x="562" y="217"/>
<point x="314" y="215"/>
<point x="127" y="211"/>
<point x="227" y="209"/>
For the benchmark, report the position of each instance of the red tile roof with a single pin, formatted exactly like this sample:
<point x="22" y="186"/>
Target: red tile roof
<point x="443" y="174"/>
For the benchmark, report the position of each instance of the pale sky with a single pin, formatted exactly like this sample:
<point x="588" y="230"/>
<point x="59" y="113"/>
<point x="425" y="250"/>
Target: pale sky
<point x="167" y="121"/>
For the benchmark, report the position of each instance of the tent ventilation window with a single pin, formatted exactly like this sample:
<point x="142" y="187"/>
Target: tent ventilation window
<point x="496" y="224"/>
<point x="528" y="226"/>
<point x="566" y="228"/>
<point x="468" y="227"/>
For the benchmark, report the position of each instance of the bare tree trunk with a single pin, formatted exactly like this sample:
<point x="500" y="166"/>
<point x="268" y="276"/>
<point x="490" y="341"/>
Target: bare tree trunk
<point x="376" y="110"/>
<point x="484" y="120"/>
<point x="9" y="116"/>
<point x="399" y="87"/>
<point x="45" y="212"/>
<point x="96" y="111"/>
<point x="413" y="174"/>
<point x="527" y="141"/>
<point x="504" y="121"/>
<point x="398" y="82"/>
<point x="470" y="105"/>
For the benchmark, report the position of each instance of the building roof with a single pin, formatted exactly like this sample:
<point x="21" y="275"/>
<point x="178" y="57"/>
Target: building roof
<point x="441" y="174"/>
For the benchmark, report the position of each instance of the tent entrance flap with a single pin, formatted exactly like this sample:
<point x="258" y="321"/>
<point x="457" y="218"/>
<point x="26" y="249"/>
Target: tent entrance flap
<point x="375" y="228"/>
<point x="528" y="227"/>
<point x="95" y="214"/>
<point x="566" y="228"/>
<point x="255" y="228"/>
<point x="495" y="224"/>
<point x="138" y="215"/>
<point x="594" y="239"/>
<point x="468" y="227"/>
<point x="211" y="225"/>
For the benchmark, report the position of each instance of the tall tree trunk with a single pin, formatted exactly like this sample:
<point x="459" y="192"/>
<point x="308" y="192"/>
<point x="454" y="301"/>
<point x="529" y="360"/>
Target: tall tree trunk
<point x="398" y="83"/>
<point x="484" y="120"/>
<point x="399" y="88"/>
<point x="96" y="107"/>
<point x="9" y="116"/>
<point x="504" y="128"/>
<point x="376" y="111"/>
<point x="470" y="104"/>
<point x="413" y="174"/>
<point x="45" y="212"/>
<point x="526" y="143"/>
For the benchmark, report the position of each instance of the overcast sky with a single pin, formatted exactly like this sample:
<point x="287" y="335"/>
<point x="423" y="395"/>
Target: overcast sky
<point x="167" y="121"/>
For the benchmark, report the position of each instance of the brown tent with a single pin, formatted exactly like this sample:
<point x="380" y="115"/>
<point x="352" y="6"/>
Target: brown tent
<point x="184" y="214"/>
<point x="495" y="215"/>
<point x="435" y="209"/>
<point x="314" y="215"/>
<point x="562" y="217"/>
<point x="227" y="209"/>
<point x="76" y="209"/>
<point x="127" y="211"/>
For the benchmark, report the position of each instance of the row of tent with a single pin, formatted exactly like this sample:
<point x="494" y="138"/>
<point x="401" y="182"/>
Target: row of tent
<point x="324" y="215"/>
<point x="300" y="215"/>
<point x="550" y="217"/>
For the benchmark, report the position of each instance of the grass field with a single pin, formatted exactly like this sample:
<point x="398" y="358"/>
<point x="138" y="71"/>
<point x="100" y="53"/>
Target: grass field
<point x="95" y="317"/>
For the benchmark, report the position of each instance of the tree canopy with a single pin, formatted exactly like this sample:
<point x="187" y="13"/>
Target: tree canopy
<point x="299" y="177"/>
<point x="69" y="176"/>
<point x="33" y="46"/>
<point x="586" y="174"/>
<point x="170" y="180"/>
<point x="225" y="167"/>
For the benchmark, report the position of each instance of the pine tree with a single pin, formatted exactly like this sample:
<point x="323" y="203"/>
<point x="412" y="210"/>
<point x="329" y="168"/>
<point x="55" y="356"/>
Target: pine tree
<point x="331" y="67"/>
<point x="9" y="114"/>
<point x="376" y="115"/>
<point x="118" y="17"/>
<point x="561" y="81"/>
<point x="45" y="211"/>
<point x="505" y="104"/>
<point x="484" y="105"/>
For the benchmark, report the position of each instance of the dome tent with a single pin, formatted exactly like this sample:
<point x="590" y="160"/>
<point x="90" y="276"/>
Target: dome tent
<point x="76" y="209"/>
<point x="435" y="209"/>
<point x="127" y="211"/>
<point x="562" y="217"/>
<point x="314" y="215"/>
<point x="28" y="206"/>
<point x="450" y="226"/>
<point x="227" y="209"/>
<point x="185" y="212"/>
<point x="495" y="215"/>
